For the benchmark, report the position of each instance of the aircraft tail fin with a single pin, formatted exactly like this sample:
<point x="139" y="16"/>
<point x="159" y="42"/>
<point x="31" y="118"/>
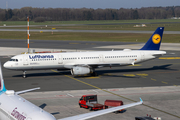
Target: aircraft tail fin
<point x="154" y="41"/>
<point x="2" y="87"/>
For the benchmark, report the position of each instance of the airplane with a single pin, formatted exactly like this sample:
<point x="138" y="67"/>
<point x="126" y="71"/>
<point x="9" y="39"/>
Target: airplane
<point x="81" y="63"/>
<point x="14" y="107"/>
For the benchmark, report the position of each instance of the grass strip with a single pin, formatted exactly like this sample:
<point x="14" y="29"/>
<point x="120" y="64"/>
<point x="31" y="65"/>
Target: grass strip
<point x="121" y="37"/>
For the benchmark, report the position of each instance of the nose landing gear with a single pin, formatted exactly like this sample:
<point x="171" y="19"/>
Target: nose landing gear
<point x="24" y="74"/>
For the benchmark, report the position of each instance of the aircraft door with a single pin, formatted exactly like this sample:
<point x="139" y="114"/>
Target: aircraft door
<point x="25" y="60"/>
<point x="60" y="59"/>
<point x="142" y="56"/>
<point x="101" y="58"/>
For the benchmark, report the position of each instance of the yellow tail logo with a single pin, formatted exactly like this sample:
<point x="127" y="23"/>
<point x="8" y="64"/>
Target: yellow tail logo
<point x="156" y="38"/>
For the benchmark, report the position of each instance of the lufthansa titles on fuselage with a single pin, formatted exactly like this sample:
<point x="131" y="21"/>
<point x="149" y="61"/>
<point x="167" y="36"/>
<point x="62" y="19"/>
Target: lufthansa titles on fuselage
<point x="40" y="56"/>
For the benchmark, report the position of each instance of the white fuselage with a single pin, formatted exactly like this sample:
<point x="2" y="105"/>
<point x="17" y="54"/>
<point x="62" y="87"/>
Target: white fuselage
<point x="14" y="107"/>
<point x="69" y="60"/>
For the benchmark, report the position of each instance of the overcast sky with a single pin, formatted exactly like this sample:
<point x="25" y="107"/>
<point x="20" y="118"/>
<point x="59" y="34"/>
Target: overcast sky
<point x="116" y="4"/>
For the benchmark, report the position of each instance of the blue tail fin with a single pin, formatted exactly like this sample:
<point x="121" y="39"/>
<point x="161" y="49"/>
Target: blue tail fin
<point x="154" y="41"/>
<point x="2" y="87"/>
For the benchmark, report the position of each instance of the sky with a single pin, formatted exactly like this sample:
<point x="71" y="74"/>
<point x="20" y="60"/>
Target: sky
<point x="95" y="4"/>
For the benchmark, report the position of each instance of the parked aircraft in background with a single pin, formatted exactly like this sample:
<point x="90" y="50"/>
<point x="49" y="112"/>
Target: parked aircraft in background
<point x="14" y="107"/>
<point x="80" y="63"/>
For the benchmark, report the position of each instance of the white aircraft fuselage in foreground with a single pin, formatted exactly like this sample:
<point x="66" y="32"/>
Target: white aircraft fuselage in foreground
<point x="14" y="107"/>
<point x="81" y="63"/>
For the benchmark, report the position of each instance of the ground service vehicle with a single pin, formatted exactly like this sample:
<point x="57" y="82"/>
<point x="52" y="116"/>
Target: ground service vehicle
<point x="90" y="102"/>
<point x="113" y="103"/>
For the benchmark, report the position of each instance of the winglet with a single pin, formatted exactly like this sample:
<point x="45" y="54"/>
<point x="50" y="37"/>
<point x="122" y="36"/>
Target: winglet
<point x="141" y="100"/>
<point x="2" y="87"/>
<point x="24" y="91"/>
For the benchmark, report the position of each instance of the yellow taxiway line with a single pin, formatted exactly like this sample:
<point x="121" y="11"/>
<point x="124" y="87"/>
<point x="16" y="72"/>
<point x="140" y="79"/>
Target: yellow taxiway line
<point x="169" y="58"/>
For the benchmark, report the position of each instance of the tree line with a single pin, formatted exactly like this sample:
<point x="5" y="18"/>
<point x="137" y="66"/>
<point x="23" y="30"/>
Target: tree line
<point x="74" y="14"/>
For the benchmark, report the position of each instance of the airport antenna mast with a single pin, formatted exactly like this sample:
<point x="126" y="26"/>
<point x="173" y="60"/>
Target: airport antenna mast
<point x="6" y="5"/>
<point x="28" y="33"/>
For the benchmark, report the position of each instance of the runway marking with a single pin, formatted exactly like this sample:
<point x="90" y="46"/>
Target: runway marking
<point x="142" y="75"/>
<point x="91" y="77"/>
<point x="70" y="95"/>
<point x="164" y="82"/>
<point x="129" y="75"/>
<point x="135" y="65"/>
<point x="176" y="85"/>
<point x="118" y="95"/>
<point x="153" y="79"/>
<point x="95" y="91"/>
<point x="132" y="75"/>
<point x="169" y="58"/>
<point x="60" y="95"/>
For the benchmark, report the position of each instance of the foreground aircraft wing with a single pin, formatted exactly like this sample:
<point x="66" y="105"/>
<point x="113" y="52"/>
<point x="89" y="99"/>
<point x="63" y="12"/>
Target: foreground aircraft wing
<point x="101" y="112"/>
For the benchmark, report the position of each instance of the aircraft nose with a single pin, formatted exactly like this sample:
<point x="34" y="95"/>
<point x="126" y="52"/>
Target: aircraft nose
<point x="6" y="65"/>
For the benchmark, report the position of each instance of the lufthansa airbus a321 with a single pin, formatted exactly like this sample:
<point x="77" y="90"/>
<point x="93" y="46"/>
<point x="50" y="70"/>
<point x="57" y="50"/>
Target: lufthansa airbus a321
<point x="81" y="63"/>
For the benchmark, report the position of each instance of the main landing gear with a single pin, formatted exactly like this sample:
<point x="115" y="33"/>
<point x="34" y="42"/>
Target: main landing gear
<point x="24" y="74"/>
<point x="94" y="74"/>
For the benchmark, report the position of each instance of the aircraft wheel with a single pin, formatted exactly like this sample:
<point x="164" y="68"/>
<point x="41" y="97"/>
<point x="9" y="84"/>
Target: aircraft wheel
<point x="94" y="74"/>
<point x="90" y="108"/>
<point x="24" y="74"/>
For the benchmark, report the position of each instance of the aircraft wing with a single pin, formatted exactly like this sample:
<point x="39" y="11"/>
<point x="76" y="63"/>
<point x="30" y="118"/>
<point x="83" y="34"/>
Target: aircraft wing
<point x="101" y="112"/>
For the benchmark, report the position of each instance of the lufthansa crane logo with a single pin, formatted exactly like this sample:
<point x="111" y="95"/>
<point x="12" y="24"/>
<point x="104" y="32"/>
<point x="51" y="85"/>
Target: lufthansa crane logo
<point x="156" y="38"/>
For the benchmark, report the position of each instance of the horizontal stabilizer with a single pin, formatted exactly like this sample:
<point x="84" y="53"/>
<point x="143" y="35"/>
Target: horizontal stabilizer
<point x="159" y="53"/>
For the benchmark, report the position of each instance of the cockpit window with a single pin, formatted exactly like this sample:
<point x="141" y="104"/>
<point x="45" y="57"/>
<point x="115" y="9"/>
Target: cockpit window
<point x="16" y="60"/>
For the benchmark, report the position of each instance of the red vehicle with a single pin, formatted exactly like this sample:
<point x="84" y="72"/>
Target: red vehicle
<point x="90" y="102"/>
<point x="113" y="103"/>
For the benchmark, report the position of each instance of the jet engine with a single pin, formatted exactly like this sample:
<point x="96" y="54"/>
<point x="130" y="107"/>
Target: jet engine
<point x="80" y="70"/>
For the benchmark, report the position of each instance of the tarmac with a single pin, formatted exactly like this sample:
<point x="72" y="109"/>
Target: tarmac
<point x="161" y="102"/>
<point x="157" y="82"/>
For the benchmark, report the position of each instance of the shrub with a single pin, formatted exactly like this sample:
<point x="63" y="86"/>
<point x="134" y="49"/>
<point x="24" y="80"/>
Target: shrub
<point x="39" y="19"/>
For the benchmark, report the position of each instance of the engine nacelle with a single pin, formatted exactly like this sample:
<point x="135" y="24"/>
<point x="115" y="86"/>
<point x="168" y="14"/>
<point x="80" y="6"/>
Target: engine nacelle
<point x="80" y="70"/>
